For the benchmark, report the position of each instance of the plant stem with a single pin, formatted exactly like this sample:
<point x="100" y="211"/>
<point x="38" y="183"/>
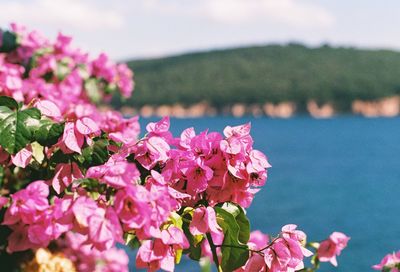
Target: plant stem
<point x="214" y="252"/>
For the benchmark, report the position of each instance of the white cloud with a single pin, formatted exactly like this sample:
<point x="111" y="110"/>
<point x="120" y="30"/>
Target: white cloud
<point x="77" y="14"/>
<point x="290" y="12"/>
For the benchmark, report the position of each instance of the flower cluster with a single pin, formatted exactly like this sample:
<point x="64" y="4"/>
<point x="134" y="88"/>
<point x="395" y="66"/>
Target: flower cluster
<point x="75" y="180"/>
<point x="208" y="166"/>
<point x="332" y="247"/>
<point x="390" y="263"/>
<point x="284" y="253"/>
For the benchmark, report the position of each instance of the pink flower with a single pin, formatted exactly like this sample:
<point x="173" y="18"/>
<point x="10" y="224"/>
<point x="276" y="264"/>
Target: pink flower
<point x="83" y="208"/>
<point x="204" y="220"/>
<point x="389" y="263"/>
<point x="87" y="126"/>
<point x="27" y="204"/>
<point x="48" y="108"/>
<point x="160" y="253"/>
<point x="104" y="230"/>
<point x="332" y="247"/>
<point x="65" y="174"/>
<point x="99" y="223"/>
<point x="88" y="259"/>
<point x="113" y="260"/>
<point x="174" y="236"/>
<point x="131" y="205"/>
<point x="151" y="151"/>
<point x="72" y="139"/>
<point x="120" y="130"/>
<point x="198" y="175"/>
<point x="155" y="255"/>
<point x="23" y="157"/>
<point x="18" y="239"/>
<point x="125" y="83"/>
<point x="256" y="262"/>
<point x="116" y="172"/>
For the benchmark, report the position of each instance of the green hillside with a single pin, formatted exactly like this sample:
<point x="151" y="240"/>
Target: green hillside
<point x="271" y="73"/>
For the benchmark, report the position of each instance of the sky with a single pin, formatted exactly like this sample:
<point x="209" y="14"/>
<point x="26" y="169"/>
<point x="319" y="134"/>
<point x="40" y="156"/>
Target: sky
<point x="135" y="29"/>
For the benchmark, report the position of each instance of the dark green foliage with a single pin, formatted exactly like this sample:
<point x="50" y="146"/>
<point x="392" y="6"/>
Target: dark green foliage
<point x="48" y="132"/>
<point x="236" y="235"/>
<point x="270" y="73"/>
<point x="9" y="42"/>
<point x="97" y="153"/>
<point x="17" y="128"/>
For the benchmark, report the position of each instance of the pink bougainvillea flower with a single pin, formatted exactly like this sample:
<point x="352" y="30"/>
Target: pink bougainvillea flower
<point x="116" y="172"/>
<point x="48" y="108"/>
<point x="151" y="151"/>
<point x="155" y="255"/>
<point x="132" y="206"/>
<point x="332" y="247"/>
<point x="86" y="126"/>
<point x="389" y="263"/>
<point x="204" y="220"/>
<point x="83" y="208"/>
<point x="72" y="140"/>
<point x="257" y="241"/>
<point x="104" y="230"/>
<point x="23" y="157"/>
<point x="65" y="174"/>
<point x="18" y="239"/>
<point x="27" y="204"/>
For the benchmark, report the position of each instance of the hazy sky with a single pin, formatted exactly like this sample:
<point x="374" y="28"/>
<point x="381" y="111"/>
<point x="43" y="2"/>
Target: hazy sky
<point x="150" y="28"/>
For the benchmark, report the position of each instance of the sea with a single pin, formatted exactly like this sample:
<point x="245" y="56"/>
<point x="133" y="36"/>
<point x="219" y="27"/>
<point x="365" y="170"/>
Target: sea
<point x="337" y="174"/>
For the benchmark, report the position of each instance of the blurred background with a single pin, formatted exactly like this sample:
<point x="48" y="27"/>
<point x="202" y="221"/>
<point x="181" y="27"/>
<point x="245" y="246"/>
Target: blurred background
<point x="319" y="80"/>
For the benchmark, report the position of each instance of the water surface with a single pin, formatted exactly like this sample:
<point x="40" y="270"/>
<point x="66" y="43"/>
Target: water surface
<point x="336" y="174"/>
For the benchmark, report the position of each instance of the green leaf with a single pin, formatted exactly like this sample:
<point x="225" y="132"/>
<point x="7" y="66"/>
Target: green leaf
<point x="241" y="219"/>
<point x="17" y="128"/>
<point x="234" y="253"/>
<point x="205" y="264"/>
<point x="37" y="152"/>
<point x="131" y="240"/>
<point x="48" y="132"/>
<point x="9" y="42"/>
<point x="9" y="102"/>
<point x="97" y="153"/>
<point x="315" y="261"/>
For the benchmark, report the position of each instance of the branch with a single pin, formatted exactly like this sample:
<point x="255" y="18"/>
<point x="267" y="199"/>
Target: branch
<point x="214" y="252"/>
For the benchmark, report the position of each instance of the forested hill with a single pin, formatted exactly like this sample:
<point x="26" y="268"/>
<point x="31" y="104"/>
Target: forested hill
<point x="272" y="73"/>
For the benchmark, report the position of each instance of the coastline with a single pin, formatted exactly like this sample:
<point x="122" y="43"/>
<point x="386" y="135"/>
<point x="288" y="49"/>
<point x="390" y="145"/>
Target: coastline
<point x="386" y="107"/>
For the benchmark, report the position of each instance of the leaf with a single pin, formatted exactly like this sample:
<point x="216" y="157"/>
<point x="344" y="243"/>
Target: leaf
<point x="131" y="240"/>
<point x="97" y="153"/>
<point x="235" y="253"/>
<point x="9" y="102"/>
<point x="205" y="264"/>
<point x="37" y="152"/>
<point x="9" y="42"/>
<point x="48" y="132"/>
<point x="17" y="128"/>
<point x="241" y="219"/>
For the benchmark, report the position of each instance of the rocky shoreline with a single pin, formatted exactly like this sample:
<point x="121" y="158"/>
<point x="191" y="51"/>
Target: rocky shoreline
<point x="386" y="107"/>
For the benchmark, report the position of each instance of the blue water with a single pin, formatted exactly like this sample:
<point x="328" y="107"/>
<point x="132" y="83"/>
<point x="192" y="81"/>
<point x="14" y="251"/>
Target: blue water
<point x="337" y="174"/>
